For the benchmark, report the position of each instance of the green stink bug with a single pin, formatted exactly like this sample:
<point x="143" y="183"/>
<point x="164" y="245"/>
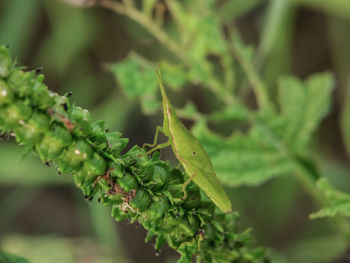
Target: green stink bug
<point x="190" y="154"/>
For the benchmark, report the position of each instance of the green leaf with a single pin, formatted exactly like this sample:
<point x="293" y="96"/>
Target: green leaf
<point x="150" y="103"/>
<point x="10" y="258"/>
<point x="137" y="78"/>
<point x="243" y="159"/>
<point x="135" y="75"/>
<point x="303" y="105"/>
<point x="233" y="112"/>
<point x="190" y="110"/>
<point x="338" y="202"/>
<point x="200" y="34"/>
<point x="265" y="151"/>
<point x="173" y="74"/>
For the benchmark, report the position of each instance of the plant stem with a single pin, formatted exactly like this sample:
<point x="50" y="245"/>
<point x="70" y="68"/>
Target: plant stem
<point x="257" y="85"/>
<point x="148" y="24"/>
<point x="164" y="39"/>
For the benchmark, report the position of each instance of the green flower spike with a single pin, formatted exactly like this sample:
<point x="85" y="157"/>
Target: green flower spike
<point x="136" y="186"/>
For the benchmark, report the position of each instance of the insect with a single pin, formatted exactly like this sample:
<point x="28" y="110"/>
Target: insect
<point x="190" y="154"/>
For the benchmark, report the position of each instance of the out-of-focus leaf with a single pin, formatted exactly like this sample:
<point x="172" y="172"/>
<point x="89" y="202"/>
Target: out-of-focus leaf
<point x="338" y="202"/>
<point x="231" y="113"/>
<point x="138" y="80"/>
<point x="9" y="258"/>
<point x="264" y="152"/>
<point x="135" y="75"/>
<point x="231" y="10"/>
<point x="190" y="109"/>
<point x="150" y="103"/>
<point x="303" y="105"/>
<point x="200" y="33"/>
<point x="243" y="159"/>
<point x="173" y="74"/>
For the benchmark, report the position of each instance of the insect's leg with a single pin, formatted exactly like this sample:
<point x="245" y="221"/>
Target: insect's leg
<point x="159" y="146"/>
<point x="186" y="183"/>
<point x="158" y="129"/>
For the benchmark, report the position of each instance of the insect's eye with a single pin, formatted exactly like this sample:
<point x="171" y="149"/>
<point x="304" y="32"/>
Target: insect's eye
<point x="194" y="153"/>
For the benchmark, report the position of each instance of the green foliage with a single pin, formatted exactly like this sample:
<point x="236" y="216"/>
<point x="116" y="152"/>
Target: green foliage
<point x="136" y="77"/>
<point x="338" y="202"/>
<point x="303" y="105"/>
<point x="278" y="134"/>
<point x="198" y="47"/>
<point x="267" y="149"/>
<point x="136" y="186"/>
<point x="10" y="258"/>
<point x="257" y="159"/>
<point x="273" y="143"/>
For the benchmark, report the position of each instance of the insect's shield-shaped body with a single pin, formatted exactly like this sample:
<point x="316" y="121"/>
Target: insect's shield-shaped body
<point x="191" y="154"/>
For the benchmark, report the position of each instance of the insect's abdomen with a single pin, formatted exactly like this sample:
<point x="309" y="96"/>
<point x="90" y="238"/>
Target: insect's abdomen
<point x="197" y="163"/>
<point x="211" y="186"/>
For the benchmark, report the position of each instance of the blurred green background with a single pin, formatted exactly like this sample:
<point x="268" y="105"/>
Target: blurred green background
<point x="44" y="218"/>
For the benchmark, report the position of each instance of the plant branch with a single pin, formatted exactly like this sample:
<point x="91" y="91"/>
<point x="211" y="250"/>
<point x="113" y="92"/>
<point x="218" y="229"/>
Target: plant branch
<point x="147" y="23"/>
<point x="257" y="84"/>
